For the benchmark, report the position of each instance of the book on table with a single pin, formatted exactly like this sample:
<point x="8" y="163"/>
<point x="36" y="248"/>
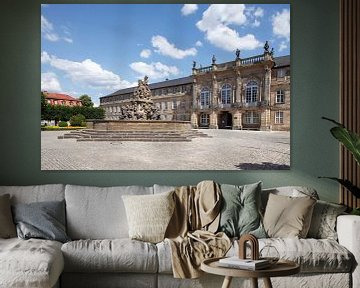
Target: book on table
<point x="249" y="264"/>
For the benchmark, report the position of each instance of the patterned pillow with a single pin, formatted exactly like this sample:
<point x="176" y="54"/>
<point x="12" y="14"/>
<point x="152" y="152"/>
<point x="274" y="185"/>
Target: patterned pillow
<point x="323" y="222"/>
<point x="149" y="215"/>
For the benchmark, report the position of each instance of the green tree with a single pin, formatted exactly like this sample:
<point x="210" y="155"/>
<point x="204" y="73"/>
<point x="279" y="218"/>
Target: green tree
<point x="77" y="120"/>
<point x="86" y="101"/>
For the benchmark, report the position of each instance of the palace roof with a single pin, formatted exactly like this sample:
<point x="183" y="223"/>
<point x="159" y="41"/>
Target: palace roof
<point x="59" y="96"/>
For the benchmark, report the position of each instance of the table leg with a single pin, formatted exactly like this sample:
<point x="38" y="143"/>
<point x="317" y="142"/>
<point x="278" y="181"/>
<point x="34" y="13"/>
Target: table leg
<point x="267" y="283"/>
<point x="254" y="282"/>
<point x="227" y="282"/>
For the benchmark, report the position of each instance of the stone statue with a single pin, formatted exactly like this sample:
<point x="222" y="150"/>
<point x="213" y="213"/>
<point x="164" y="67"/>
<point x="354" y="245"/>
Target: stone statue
<point x="142" y="107"/>
<point x="266" y="47"/>
<point x="194" y="64"/>
<point x="213" y="60"/>
<point x="237" y="52"/>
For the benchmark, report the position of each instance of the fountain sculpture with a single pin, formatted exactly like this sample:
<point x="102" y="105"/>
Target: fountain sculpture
<point x="142" y="107"/>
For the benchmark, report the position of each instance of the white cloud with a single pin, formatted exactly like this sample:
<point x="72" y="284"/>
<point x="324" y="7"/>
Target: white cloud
<point x="47" y="30"/>
<point x="86" y="72"/>
<point x="198" y="44"/>
<point x="49" y="33"/>
<point x="283" y="45"/>
<point x="188" y="9"/>
<point x="50" y="82"/>
<point x="215" y="23"/>
<point x="256" y="23"/>
<point x="155" y="70"/>
<point x="145" y="53"/>
<point x="281" y="24"/>
<point x="168" y="49"/>
<point x="259" y="12"/>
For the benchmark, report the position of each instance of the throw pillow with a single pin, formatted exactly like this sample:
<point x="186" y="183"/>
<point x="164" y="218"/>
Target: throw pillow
<point x="7" y="227"/>
<point x="149" y="215"/>
<point x="240" y="213"/>
<point x="288" y="217"/>
<point x="44" y="220"/>
<point x="323" y="222"/>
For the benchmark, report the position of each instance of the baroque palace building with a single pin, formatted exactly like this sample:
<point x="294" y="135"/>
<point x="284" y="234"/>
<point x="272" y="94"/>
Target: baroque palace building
<point x="247" y="93"/>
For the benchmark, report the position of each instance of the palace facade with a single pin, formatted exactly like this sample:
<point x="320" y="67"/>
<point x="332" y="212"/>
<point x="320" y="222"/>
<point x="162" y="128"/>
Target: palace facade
<point x="247" y="93"/>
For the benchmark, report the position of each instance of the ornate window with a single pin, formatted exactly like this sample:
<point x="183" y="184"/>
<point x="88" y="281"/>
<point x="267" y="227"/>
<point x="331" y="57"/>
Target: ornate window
<point x="280" y="96"/>
<point x="252" y="117"/>
<point x="205" y="97"/>
<point x="251" y="92"/>
<point x="225" y="94"/>
<point x="204" y="119"/>
<point x="279" y="117"/>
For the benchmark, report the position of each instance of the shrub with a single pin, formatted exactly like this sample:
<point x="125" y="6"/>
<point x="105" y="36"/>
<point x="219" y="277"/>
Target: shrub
<point x="77" y="120"/>
<point x="63" y="124"/>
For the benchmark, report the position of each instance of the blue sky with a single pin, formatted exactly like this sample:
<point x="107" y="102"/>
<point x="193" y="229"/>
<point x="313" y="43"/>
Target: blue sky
<point x="96" y="49"/>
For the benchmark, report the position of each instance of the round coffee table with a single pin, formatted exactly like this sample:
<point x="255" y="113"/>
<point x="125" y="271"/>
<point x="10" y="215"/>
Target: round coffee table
<point x="281" y="268"/>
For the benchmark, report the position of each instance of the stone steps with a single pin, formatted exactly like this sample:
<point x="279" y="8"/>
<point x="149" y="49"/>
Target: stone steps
<point x="143" y="136"/>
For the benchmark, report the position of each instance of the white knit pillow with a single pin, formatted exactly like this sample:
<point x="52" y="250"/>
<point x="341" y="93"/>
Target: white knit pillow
<point x="149" y="215"/>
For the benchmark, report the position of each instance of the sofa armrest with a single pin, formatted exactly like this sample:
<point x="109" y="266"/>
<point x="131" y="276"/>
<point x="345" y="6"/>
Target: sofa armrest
<point x="348" y="230"/>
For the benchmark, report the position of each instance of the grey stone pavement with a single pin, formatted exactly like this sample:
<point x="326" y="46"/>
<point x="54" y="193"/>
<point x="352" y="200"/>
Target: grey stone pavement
<point x="226" y="150"/>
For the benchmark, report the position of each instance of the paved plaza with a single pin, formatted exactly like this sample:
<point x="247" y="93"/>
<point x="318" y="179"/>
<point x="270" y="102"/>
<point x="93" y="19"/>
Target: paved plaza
<point x="225" y="150"/>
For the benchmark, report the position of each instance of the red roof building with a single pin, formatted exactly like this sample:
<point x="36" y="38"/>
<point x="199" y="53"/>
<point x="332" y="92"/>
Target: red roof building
<point x="61" y="99"/>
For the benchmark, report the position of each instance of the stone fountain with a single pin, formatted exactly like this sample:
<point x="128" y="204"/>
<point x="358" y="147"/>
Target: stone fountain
<point x="138" y="121"/>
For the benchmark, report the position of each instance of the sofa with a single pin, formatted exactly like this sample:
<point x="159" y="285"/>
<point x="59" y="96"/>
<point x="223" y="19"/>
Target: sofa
<point x="99" y="252"/>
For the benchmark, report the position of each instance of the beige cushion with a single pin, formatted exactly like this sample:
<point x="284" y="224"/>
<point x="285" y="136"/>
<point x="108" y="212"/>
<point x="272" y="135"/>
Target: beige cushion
<point x="149" y="215"/>
<point x="287" y="217"/>
<point x="7" y="226"/>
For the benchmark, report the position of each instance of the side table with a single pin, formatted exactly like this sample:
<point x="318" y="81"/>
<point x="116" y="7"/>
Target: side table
<point x="281" y="268"/>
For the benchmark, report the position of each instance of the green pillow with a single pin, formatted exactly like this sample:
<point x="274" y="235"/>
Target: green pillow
<point x="240" y="213"/>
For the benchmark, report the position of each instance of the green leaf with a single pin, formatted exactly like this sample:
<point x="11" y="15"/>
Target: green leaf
<point x="347" y="184"/>
<point x="349" y="139"/>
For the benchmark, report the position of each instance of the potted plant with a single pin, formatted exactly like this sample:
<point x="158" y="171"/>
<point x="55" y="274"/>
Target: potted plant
<point x="351" y="141"/>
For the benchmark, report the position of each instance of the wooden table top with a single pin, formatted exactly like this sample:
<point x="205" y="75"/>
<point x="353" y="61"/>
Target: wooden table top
<point x="281" y="268"/>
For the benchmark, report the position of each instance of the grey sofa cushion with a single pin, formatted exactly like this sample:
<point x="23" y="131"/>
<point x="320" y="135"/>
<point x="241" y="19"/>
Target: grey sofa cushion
<point x="98" y="213"/>
<point x="44" y="220"/>
<point x="313" y="255"/>
<point x="30" y="263"/>
<point x="34" y="193"/>
<point x="117" y="255"/>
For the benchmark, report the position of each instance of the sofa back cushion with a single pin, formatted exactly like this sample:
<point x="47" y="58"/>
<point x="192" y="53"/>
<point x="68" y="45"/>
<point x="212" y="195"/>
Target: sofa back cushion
<point x="98" y="212"/>
<point x="290" y="191"/>
<point x="34" y="193"/>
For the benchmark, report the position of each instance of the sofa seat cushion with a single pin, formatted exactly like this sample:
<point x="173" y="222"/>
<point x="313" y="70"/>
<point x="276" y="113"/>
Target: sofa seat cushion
<point x="313" y="255"/>
<point x="115" y="255"/>
<point x="30" y="263"/>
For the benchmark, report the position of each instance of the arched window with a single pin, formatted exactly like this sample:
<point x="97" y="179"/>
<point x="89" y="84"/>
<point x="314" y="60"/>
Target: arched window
<point x="251" y="92"/>
<point x="225" y="94"/>
<point x="205" y="97"/>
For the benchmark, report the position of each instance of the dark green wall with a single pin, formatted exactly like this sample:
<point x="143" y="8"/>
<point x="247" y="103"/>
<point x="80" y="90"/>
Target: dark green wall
<point x="315" y="69"/>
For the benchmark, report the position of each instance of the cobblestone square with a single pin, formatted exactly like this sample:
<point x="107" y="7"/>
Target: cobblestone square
<point x="225" y="150"/>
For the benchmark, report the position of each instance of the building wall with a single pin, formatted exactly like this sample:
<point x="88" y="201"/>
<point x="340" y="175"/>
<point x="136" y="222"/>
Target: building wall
<point x="227" y="106"/>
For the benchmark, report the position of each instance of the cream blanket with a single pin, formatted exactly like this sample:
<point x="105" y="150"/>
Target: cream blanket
<point x="191" y="231"/>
